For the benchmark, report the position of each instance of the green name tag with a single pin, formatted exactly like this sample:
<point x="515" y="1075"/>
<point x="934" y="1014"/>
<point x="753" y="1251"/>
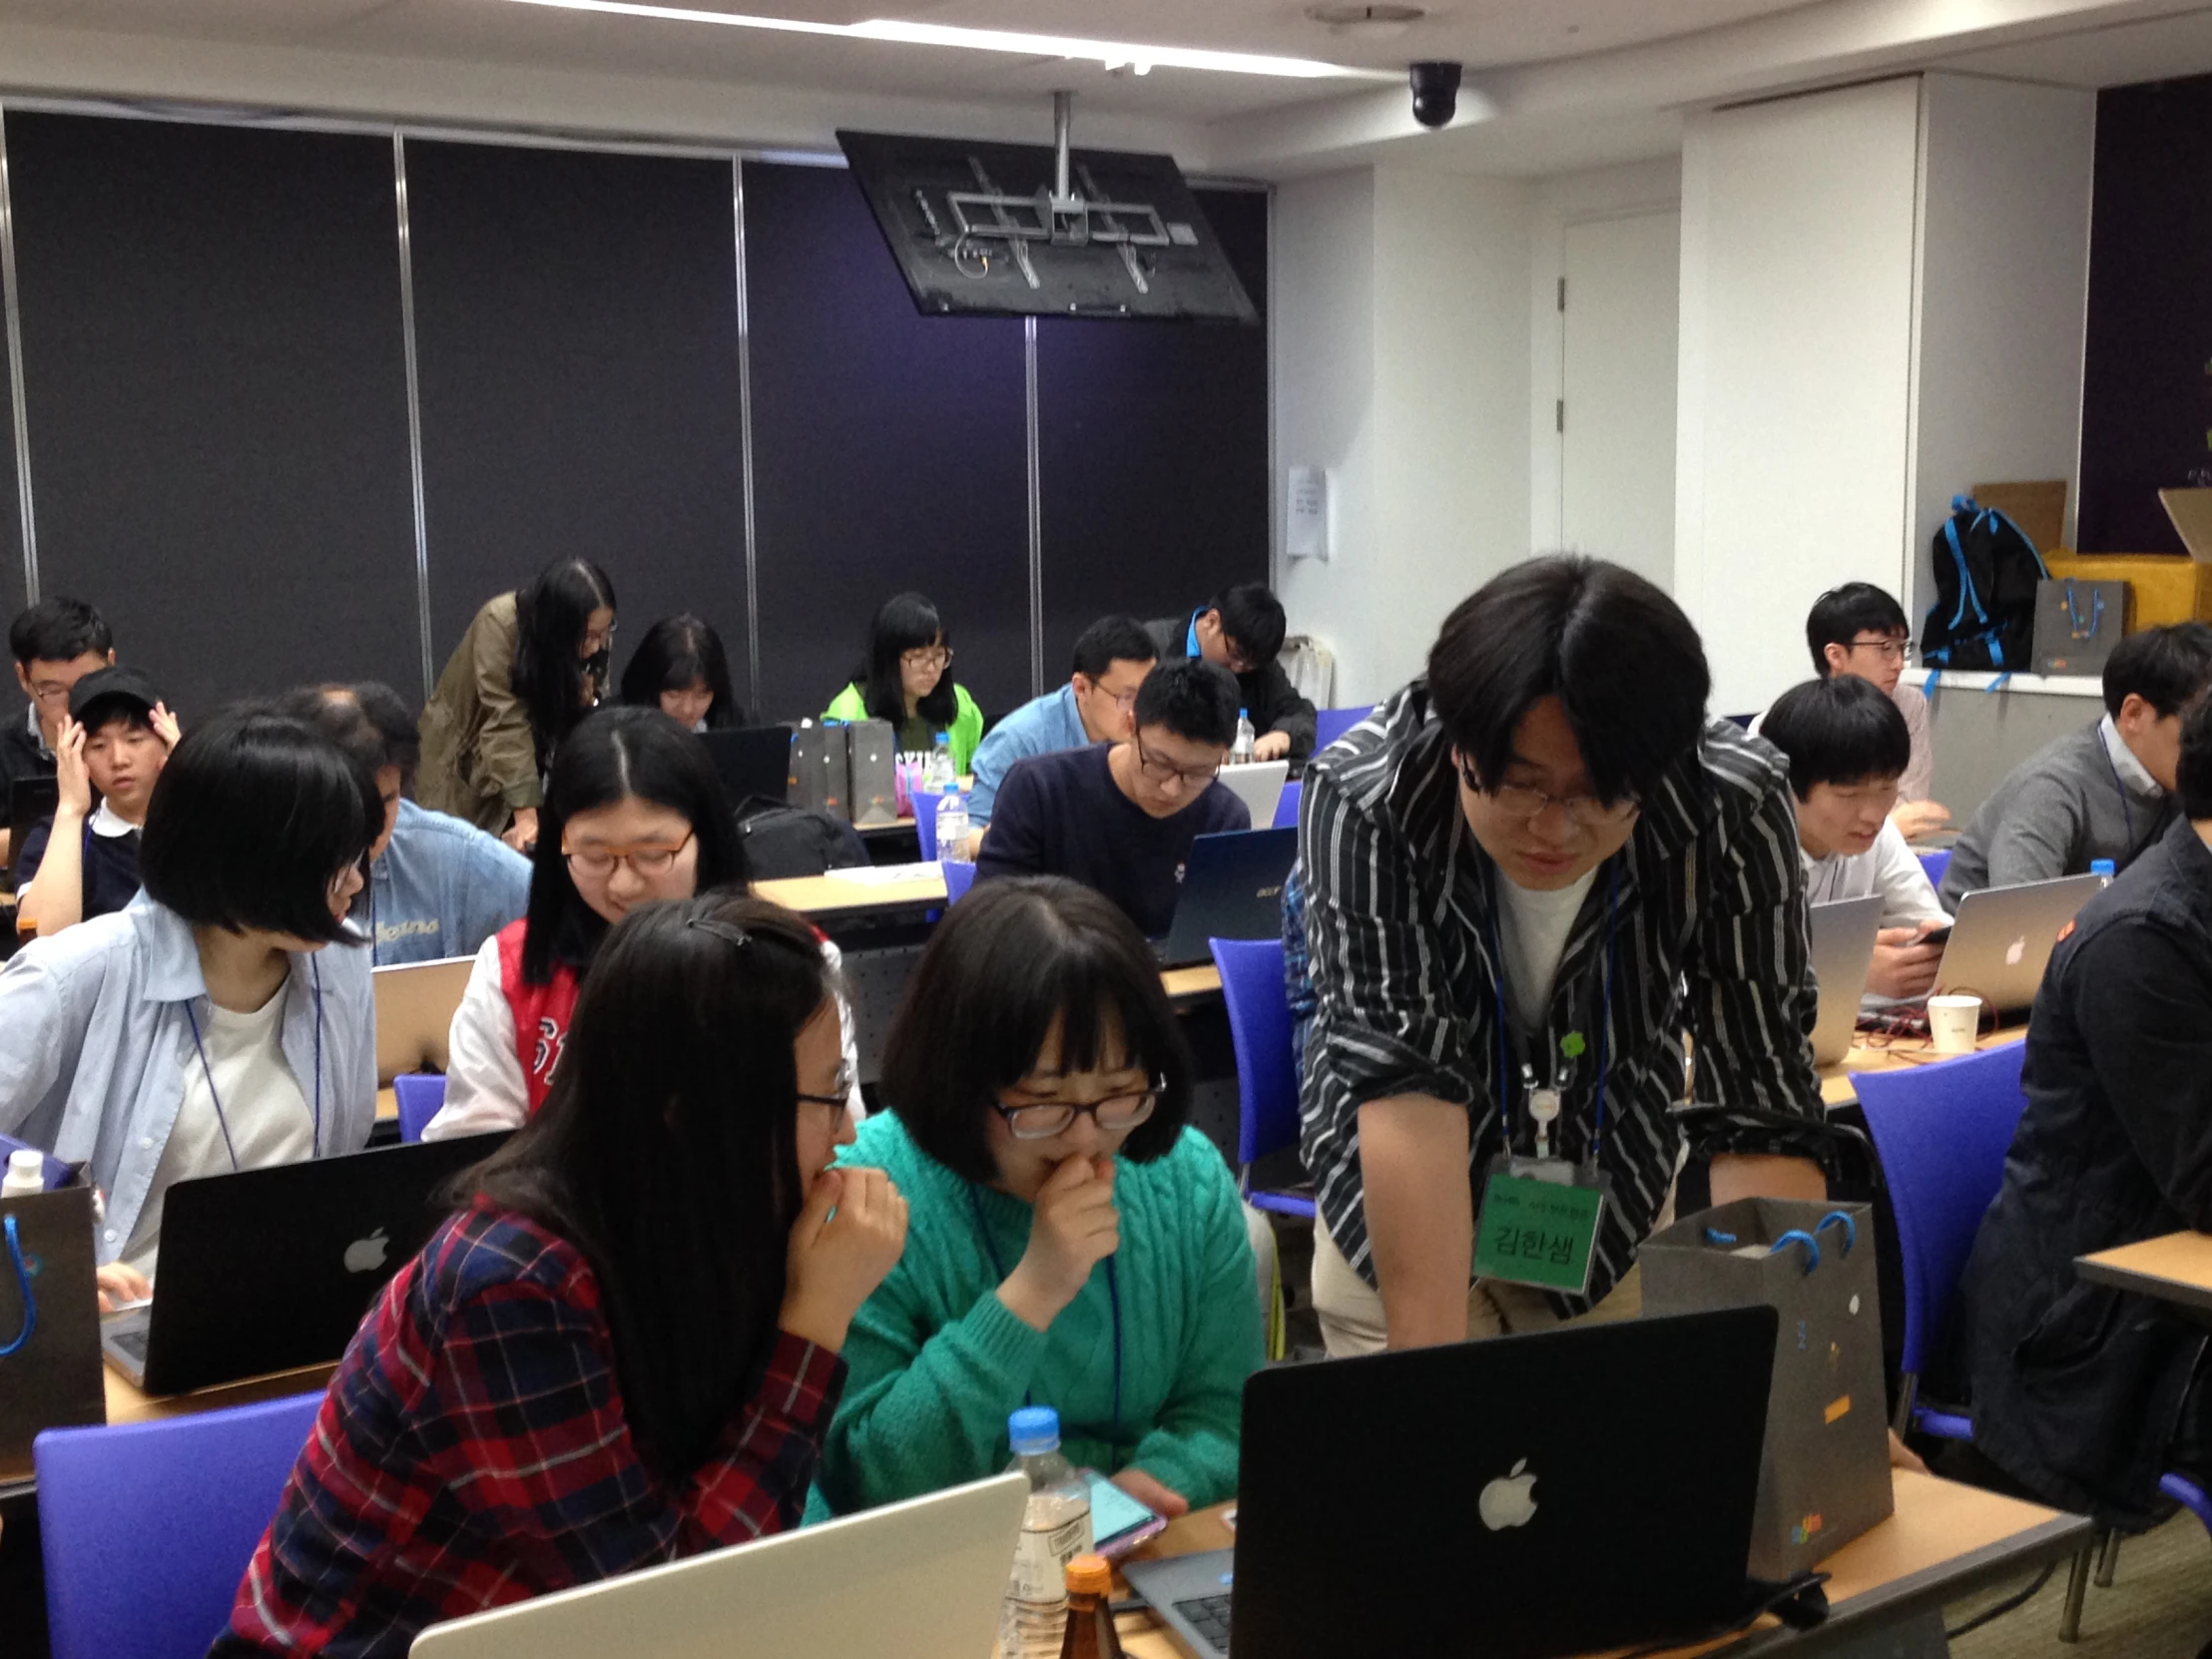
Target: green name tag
<point x="1534" y="1230"/>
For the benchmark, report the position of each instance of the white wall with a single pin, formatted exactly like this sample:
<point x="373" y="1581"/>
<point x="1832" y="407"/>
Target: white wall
<point x="1401" y="339"/>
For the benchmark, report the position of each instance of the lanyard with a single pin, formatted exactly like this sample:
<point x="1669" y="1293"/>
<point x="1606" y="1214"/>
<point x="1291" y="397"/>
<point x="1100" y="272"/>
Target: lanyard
<point x="207" y="1071"/>
<point x="1605" y="1027"/>
<point x="23" y="1283"/>
<point x="1113" y="1296"/>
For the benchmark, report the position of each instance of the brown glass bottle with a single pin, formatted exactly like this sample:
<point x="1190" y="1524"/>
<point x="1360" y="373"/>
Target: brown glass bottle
<point x="1090" y="1617"/>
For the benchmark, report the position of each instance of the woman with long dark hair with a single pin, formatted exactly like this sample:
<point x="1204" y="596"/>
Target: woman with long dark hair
<point x="532" y="664"/>
<point x="625" y="1349"/>
<point x="680" y="669"/>
<point x="907" y="678"/>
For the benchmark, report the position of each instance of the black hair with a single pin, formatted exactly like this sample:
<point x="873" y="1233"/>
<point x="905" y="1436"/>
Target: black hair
<point x="58" y="630"/>
<point x="341" y="719"/>
<point x="1111" y="639"/>
<point x="1614" y="649"/>
<point x="2167" y="667"/>
<point x="551" y="616"/>
<point x="677" y="653"/>
<point x="667" y="1153"/>
<point x="387" y="711"/>
<point x="906" y="622"/>
<point x="2193" y="780"/>
<point x="1005" y="964"/>
<point x="1193" y="698"/>
<point x="1842" y="614"/>
<point x="617" y="754"/>
<point x="1842" y="730"/>
<point x="1253" y="622"/>
<point x="252" y="820"/>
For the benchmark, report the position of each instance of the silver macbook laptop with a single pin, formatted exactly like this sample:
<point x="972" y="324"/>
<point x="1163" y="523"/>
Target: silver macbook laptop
<point x="1260" y="787"/>
<point x="414" y="1013"/>
<point x="920" y="1579"/>
<point x="1841" y="939"/>
<point x="2004" y="938"/>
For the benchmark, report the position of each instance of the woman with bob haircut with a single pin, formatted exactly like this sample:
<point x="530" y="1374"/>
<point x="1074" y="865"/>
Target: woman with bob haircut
<point x="532" y="664"/>
<point x="204" y="1028"/>
<point x="680" y="669"/>
<point x="1074" y="1244"/>
<point x="907" y="678"/>
<point x="623" y="1350"/>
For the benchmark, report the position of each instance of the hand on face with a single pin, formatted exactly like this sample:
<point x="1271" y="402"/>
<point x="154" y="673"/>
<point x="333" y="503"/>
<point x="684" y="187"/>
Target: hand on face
<point x="72" y="780"/>
<point x="846" y="1240"/>
<point x="1072" y="1228"/>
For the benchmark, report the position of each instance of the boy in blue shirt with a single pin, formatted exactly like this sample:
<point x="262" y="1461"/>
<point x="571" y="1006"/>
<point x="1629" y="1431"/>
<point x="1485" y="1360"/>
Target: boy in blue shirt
<point x="1097" y="705"/>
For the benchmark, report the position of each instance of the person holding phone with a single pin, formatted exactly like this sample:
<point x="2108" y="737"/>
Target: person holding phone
<point x="624" y="1348"/>
<point x="1074" y="1244"/>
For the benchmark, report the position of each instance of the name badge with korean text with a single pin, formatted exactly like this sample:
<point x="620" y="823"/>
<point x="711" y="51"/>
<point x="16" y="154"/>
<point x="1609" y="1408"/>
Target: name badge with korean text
<point x="1539" y="1223"/>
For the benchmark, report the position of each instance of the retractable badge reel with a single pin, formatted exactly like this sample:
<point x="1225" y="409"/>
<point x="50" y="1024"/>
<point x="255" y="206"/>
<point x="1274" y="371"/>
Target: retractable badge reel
<point x="1540" y="1218"/>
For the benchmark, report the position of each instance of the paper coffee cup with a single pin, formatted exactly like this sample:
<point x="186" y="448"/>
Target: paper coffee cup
<point x="1954" y="1022"/>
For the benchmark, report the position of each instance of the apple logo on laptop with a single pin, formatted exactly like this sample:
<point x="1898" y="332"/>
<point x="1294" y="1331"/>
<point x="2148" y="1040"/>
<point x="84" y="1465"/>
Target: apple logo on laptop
<point x="2015" y="950"/>
<point x="1509" y="1501"/>
<point x="366" y="1254"/>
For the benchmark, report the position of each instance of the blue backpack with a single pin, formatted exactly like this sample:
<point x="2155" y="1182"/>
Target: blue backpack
<point x="1985" y="575"/>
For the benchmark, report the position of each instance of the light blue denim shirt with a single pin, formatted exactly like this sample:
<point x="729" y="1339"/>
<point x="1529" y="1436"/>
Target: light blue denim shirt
<point x="1044" y="725"/>
<point x="441" y="889"/>
<point x="94" y="1039"/>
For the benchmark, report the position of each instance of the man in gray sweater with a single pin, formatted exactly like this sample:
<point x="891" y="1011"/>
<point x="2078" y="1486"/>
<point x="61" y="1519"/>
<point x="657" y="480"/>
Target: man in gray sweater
<point x="2102" y="792"/>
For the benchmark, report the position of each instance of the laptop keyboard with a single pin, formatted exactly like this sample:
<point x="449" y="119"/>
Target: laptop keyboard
<point x="132" y="1342"/>
<point x="1209" y="1616"/>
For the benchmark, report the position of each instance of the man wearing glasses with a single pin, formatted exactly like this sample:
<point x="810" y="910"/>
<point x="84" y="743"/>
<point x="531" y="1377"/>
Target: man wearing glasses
<point x="55" y="643"/>
<point x="1121" y="819"/>
<point x="1538" y="869"/>
<point x="1859" y="630"/>
<point x="1097" y="705"/>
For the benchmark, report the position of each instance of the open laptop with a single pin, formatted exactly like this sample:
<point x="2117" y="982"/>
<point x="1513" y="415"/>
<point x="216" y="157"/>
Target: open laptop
<point x="31" y="801"/>
<point x="2004" y="937"/>
<point x="1842" y="937"/>
<point x="415" y="1013"/>
<point x="272" y="1268"/>
<point x="1232" y="889"/>
<point x="1258" y="784"/>
<point x="1466" y="1491"/>
<point x="920" y="1579"/>
<point x="755" y="762"/>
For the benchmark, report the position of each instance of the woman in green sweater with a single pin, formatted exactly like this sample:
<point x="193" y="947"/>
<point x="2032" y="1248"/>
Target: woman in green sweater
<point x="907" y="678"/>
<point x="1071" y="1244"/>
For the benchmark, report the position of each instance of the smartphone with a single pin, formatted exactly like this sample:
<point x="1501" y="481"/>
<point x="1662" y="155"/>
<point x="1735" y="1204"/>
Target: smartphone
<point x="1119" y="1523"/>
<point x="1941" y="935"/>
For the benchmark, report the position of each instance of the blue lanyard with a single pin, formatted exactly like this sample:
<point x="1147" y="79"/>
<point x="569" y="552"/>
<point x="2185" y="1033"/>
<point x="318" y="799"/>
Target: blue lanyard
<point x="1113" y="1296"/>
<point x="207" y="1071"/>
<point x="23" y="1281"/>
<point x="1604" y="1017"/>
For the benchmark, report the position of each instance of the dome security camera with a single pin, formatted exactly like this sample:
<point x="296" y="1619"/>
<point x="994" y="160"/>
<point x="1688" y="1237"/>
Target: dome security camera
<point x="1435" y="91"/>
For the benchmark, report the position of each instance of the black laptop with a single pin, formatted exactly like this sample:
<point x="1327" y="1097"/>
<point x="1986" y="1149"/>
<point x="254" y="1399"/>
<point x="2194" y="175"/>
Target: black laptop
<point x="272" y="1268"/>
<point x="754" y="763"/>
<point x="1232" y="889"/>
<point x="31" y="801"/>
<point x="1523" y="1497"/>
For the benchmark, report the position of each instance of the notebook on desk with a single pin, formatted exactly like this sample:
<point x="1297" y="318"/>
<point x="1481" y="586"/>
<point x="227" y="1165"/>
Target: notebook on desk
<point x="415" y="1002"/>
<point x="1258" y="784"/>
<point x="268" y="1269"/>
<point x="1232" y="889"/>
<point x="2004" y="938"/>
<point x="31" y="801"/>
<point x="753" y="763"/>
<point x="1842" y="937"/>
<point x="1469" y="1488"/>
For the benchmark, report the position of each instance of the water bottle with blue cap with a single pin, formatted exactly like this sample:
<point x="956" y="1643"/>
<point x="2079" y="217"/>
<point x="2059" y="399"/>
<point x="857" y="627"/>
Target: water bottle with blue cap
<point x="1055" y="1530"/>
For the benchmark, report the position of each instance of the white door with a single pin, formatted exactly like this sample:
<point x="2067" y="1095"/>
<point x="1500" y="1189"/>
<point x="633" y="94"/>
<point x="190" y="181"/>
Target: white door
<point x="1616" y="440"/>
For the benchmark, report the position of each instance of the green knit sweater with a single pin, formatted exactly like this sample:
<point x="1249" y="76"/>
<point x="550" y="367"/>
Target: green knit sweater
<point x="936" y="1361"/>
<point x="962" y="737"/>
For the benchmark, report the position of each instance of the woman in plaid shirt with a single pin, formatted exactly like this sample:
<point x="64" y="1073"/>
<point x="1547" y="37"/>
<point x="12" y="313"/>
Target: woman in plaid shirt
<point x="626" y="1348"/>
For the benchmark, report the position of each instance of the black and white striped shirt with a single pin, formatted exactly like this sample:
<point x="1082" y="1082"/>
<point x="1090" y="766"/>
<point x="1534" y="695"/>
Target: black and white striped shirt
<point x="1711" y="941"/>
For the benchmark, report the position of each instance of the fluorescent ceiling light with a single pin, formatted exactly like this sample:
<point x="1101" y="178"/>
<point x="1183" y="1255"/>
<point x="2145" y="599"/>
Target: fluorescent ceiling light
<point x="1112" y="54"/>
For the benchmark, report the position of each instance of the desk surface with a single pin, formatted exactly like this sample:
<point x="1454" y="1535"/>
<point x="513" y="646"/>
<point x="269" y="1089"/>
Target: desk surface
<point x="1945" y="1540"/>
<point x="2176" y="1268"/>
<point x="1837" y="1088"/>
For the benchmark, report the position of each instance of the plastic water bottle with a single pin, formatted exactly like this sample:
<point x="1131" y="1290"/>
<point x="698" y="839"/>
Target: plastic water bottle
<point x="953" y="828"/>
<point x="1240" y="754"/>
<point x="942" y="774"/>
<point x="26" y="1174"/>
<point x="1055" y="1530"/>
<point x="2104" y="867"/>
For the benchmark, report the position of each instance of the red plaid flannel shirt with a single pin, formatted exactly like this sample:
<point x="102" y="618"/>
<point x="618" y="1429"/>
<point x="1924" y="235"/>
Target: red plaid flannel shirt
<point x="472" y="1452"/>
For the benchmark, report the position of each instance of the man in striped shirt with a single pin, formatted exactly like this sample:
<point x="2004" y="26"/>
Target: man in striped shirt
<point x="1528" y="879"/>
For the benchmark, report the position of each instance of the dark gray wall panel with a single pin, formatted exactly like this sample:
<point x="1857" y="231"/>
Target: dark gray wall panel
<point x="576" y="327"/>
<point x="217" y="397"/>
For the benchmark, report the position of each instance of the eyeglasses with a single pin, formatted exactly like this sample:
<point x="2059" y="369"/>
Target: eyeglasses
<point x="841" y="1099"/>
<point x="1889" y="650"/>
<point x="1585" y="811"/>
<point x="1164" y="771"/>
<point x="929" y="655"/>
<point x="599" y="861"/>
<point x="1123" y="702"/>
<point x="1040" y="1120"/>
<point x="597" y="640"/>
<point x="51" y="693"/>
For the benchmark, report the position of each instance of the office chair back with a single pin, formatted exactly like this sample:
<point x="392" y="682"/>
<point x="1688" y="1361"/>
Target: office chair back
<point x="1332" y="724"/>
<point x="421" y="1095"/>
<point x="1934" y="863"/>
<point x="147" y="1527"/>
<point x="1267" y="1072"/>
<point x="1286" y="810"/>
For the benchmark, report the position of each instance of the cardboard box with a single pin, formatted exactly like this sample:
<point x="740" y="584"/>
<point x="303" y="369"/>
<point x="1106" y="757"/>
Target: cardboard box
<point x="2039" y="508"/>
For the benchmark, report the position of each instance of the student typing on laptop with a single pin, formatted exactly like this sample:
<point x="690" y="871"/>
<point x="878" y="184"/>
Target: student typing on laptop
<point x="85" y="863"/>
<point x="205" y="1028"/>
<point x="1122" y="818"/>
<point x="625" y="1348"/>
<point x="1074" y="1244"/>
<point x="1847" y="745"/>
<point x="1241" y="631"/>
<point x="1097" y="705"/>
<point x="55" y="644"/>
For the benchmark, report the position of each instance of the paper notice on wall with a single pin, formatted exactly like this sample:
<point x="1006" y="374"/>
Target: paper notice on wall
<point x="1306" y="518"/>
